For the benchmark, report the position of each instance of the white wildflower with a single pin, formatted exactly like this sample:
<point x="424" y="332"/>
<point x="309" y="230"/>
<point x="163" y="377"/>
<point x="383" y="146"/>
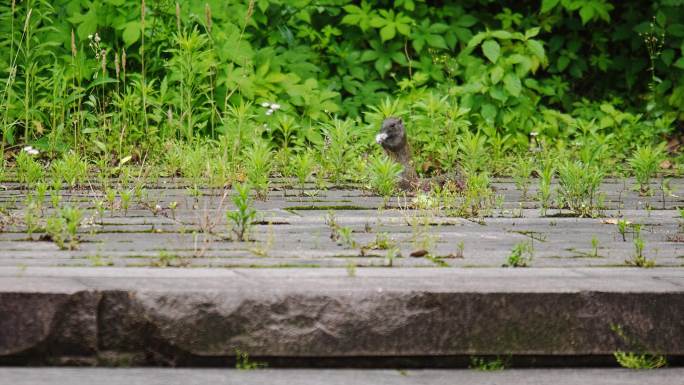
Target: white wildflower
<point x="269" y="112"/>
<point x="265" y="104"/>
<point x="30" y="150"/>
<point x="275" y="106"/>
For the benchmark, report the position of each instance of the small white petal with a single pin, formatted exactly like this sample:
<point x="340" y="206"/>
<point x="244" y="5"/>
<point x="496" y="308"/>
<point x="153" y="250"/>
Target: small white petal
<point x="269" y="112"/>
<point x="379" y="138"/>
<point x="28" y="148"/>
<point x="275" y="106"/>
<point x="265" y="104"/>
<point x="534" y="133"/>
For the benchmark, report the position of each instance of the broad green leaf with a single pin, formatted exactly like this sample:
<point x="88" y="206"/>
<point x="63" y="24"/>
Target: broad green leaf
<point x="586" y="13"/>
<point x="382" y="65"/>
<point x="537" y="49"/>
<point x="403" y="29"/>
<point x="496" y="74"/>
<point x="304" y="15"/>
<point x="488" y="111"/>
<point x="512" y="84"/>
<point x="418" y="44"/>
<point x="502" y="35"/>
<point x="387" y="32"/>
<point x="463" y="34"/>
<point x="475" y="40"/>
<point x="497" y="93"/>
<point x="436" y="41"/>
<point x="131" y="33"/>
<point x="377" y="22"/>
<point x="88" y="24"/>
<point x="548" y="5"/>
<point x="100" y="145"/>
<point x="369" y="55"/>
<point x="679" y="63"/>
<point x="466" y="21"/>
<point x="100" y="81"/>
<point x="491" y="50"/>
<point x="438" y="28"/>
<point x="532" y="32"/>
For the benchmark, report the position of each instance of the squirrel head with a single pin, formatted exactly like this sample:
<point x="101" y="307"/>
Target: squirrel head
<point x="392" y="136"/>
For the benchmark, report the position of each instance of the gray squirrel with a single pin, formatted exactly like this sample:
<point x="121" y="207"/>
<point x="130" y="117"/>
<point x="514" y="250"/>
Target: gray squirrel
<point x="392" y="138"/>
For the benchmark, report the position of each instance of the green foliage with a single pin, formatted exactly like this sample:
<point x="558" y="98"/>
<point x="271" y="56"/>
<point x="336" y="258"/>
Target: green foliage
<point x="477" y="196"/>
<point x="521" y="255"/>
<point x="631" y="360"/>
<point x="240" y="220"/>
<point x="384" y="175"/>
<point x="521" y="170"/>
<point x="99" y="79"/>
<point x="62" y="228"/>
<point x="259" y="163"/>
<point x="639" y="259"/>
<point x="638" y="359"/>
<point x="303" y="165"/>
<point x="243" y="362"/>
<point x="487" y="365"/>
<point x="578" y="185"/>
<point x="545" y="176"/>
<point x="191" y="66"/>
<point x="28" y="169"/>
<point x="645" y="162"/>
<point x="339" y="152"/>
<point x="71" y="169"/>
<point x="473" y="152"/>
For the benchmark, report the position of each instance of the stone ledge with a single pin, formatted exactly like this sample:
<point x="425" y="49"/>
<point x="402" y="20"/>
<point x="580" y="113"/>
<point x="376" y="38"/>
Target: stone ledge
<point x="187" y="316"/>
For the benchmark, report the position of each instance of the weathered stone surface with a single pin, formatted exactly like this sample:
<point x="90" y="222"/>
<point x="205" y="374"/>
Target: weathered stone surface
<point x="47" y="324"/>
<point x="191" y="316"/>
<point x="292" y="231"/>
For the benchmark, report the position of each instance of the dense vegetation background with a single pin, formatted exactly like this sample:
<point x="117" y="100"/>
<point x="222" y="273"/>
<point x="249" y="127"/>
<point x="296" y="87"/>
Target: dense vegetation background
<point x="121" y="78"/>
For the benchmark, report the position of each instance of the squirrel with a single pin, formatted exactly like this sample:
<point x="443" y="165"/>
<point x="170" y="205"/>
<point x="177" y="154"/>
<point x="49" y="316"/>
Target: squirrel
<point x="392" y="138"/>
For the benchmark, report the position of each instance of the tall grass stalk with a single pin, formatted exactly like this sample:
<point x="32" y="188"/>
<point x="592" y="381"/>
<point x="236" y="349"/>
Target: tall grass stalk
<point x="142" y="62"/>
<point x="11" y="77"/>
<point x="27" y="73"/>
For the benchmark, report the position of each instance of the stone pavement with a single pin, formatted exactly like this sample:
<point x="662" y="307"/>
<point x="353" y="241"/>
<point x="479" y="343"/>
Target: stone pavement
<point x="162" y="284"/>
<point x="293" y="231"/>
<point x="154" y="376"/>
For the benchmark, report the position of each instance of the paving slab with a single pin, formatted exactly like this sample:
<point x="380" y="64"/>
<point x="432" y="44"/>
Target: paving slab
<point x="154" y="376"/>
<point x="295" y="230"/>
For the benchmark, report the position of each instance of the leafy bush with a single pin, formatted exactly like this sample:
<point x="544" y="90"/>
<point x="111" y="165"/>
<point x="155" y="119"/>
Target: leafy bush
<point x="117" y="80"/>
